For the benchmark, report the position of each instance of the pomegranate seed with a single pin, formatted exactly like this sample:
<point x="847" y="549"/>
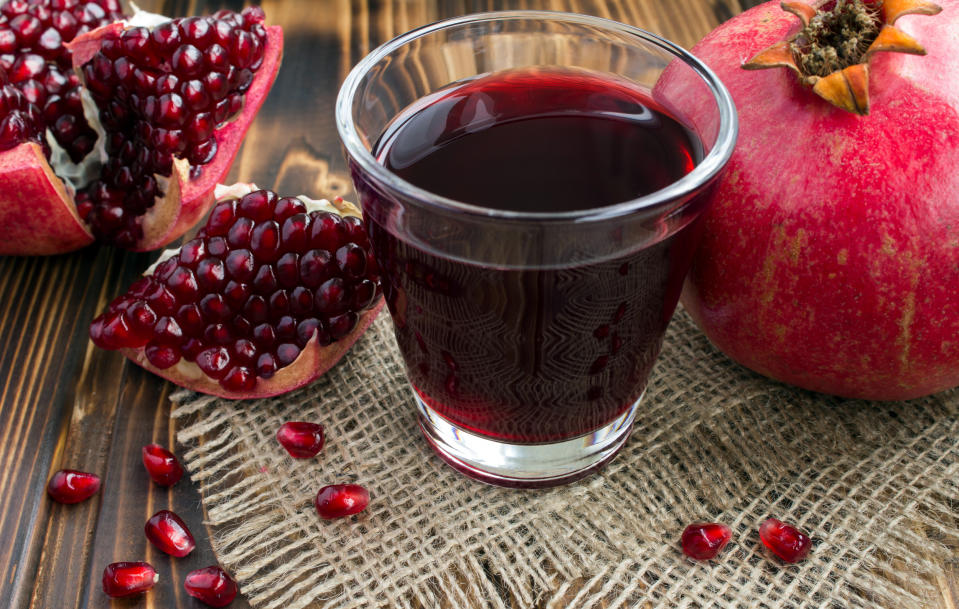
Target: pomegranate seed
<point x="301" y="439"/>
<point x="212" y="585"/>
<point x="704" y="541"/>
<point x="339" y="500"/>
<point x="162" y="465"/>
<point x="128" y="578"/>
<point x="72" y="486"/>
<point x="784" y="540"/>
<point x="169" y="534"/>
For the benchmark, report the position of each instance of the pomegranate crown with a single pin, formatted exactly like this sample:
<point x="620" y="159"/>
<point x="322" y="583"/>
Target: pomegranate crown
<point x="832" y="50"/>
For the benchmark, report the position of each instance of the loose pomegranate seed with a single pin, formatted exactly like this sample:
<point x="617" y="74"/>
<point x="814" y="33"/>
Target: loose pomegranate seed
<point x="704" y="541"/>
<point x="162" y="465"/>
<point x="785" y="541"/>
<point x="169" y="534"/>
<point x="128" y="578"/>
<point x="212" y="585"/>
<point x="71" y="486"/>
<point x="339" y="500"/>
<point x="301" y="439"/>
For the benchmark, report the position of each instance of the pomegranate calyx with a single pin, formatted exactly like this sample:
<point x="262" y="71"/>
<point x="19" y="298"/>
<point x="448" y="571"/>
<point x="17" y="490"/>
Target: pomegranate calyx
<point x="831" y="52"/>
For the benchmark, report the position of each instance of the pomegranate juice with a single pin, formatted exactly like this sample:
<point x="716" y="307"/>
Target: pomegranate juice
<point x="529" y="354"/>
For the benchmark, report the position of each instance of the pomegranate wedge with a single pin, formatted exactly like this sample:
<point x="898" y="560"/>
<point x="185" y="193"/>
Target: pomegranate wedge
<point x="270" y="294"/>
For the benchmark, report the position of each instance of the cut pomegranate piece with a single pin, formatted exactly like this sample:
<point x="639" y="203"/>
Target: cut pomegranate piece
<point x="169" y="534"/>
<point x="339" y="500"/>
<point x="122" y="579"/>
<point x="72" y="486"/>
<point x="162" y="465"/>
<point x="212" y="585"/>
<point x="784" y="540"/>
<point x="257" y="304"/>
<point x="301" y="439"/>
<point x="704" y="540"/>
<point x="142" y="135"/>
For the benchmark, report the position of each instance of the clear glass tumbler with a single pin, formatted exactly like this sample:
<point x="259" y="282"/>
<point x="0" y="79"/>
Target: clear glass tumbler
<point x="529" y="333"/>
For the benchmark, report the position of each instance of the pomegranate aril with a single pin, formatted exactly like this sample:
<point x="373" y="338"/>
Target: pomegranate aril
<point x="331" y="296"/>
<point x="287" y="353"/>
<point x="364" y="293"/>
<point x="287" y="207"/>
<point x="286" y="328"/>
<point x="279" y="304"/>
<point x="265" y="280"/>
<point x="315" y="267"/>
<point x="302" y="439"/>
<point x="244" y="351"/>
<point x="217" y="334"/>
<point x="169" y="534"/>
<point x="341" y="325"/>
<point x="211" y="274"/>
<point x="253" y="15"/>
<point x="197" y="31"/>
<point x="187" y="60"/>
<point x="161" y="356"/>
<point x="202" y="152"/>
<point x="351" y="258"/>
<point x="236" y="294"/>
<point x="214" y="362"/>
<point x="784" y="540"/>
<point x="340" y="500"/>
<point x="264" y="336"/>
<point x="121" y="579"/>
<point x="287" y="270"/>
<point x="256" y="309"/>
<point x="327" y="231"/>
<point x="167" y="83"/>
<point x="162" y="465"/>
<point x="241" y="265"/>
<point x="215" y="308"/>
<point x="704" y="541"/>
<point x="72" y="486"/>
<point x="166" y="37"/>
<point x="240" y="379"/>
<point x="190" y="319"/>
<point x="212" y="585"/>
<point x="301" y="304"/>
<point x="266" y="366"/>
<point x="192" y="252"/>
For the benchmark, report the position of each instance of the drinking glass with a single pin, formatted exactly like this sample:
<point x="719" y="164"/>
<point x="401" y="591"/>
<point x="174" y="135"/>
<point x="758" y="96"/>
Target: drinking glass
<point x="529" y="335"/>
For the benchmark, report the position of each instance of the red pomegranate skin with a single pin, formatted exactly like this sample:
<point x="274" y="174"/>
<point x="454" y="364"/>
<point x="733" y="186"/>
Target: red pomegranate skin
<point x="830" y="258"/>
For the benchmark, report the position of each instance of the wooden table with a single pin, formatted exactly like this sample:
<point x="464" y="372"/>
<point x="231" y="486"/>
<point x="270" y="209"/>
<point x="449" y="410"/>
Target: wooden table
<point x="67" y="404"/>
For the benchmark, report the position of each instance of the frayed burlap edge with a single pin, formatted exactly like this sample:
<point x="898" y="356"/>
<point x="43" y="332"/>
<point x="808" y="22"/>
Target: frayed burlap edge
<point x="875" y="484"/>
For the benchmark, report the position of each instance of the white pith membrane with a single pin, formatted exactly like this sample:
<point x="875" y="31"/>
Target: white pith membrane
<point x="189" y="370"/>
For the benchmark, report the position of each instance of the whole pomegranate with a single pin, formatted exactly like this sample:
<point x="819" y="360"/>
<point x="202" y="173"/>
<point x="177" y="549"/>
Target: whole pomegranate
<point x="270" y="294"/>
<point x="117" y="128"/>
<point x="830" y="258"/>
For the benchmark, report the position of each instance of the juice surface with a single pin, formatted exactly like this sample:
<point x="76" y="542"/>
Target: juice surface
<point x="540" y="141"/>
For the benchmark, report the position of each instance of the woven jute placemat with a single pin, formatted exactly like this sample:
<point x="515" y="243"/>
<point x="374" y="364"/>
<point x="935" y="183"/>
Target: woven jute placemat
<point x="875" y="484"/>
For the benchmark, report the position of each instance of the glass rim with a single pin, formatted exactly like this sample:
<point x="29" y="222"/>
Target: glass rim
<point x="702" y="174"/>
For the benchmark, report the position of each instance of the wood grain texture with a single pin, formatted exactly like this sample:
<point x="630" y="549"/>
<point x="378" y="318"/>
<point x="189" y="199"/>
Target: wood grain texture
<point x="66" y="404"/>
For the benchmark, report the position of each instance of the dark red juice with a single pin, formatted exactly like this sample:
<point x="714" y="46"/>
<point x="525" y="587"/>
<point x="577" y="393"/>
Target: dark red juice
<point x="537" y="353"/>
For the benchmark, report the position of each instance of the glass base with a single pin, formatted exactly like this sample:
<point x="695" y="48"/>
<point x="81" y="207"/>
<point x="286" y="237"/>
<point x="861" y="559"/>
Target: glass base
<point x="524" y="465"/>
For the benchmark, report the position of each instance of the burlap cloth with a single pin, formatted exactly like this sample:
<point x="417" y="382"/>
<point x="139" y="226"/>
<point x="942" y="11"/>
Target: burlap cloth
<point x="875" y="484"/>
